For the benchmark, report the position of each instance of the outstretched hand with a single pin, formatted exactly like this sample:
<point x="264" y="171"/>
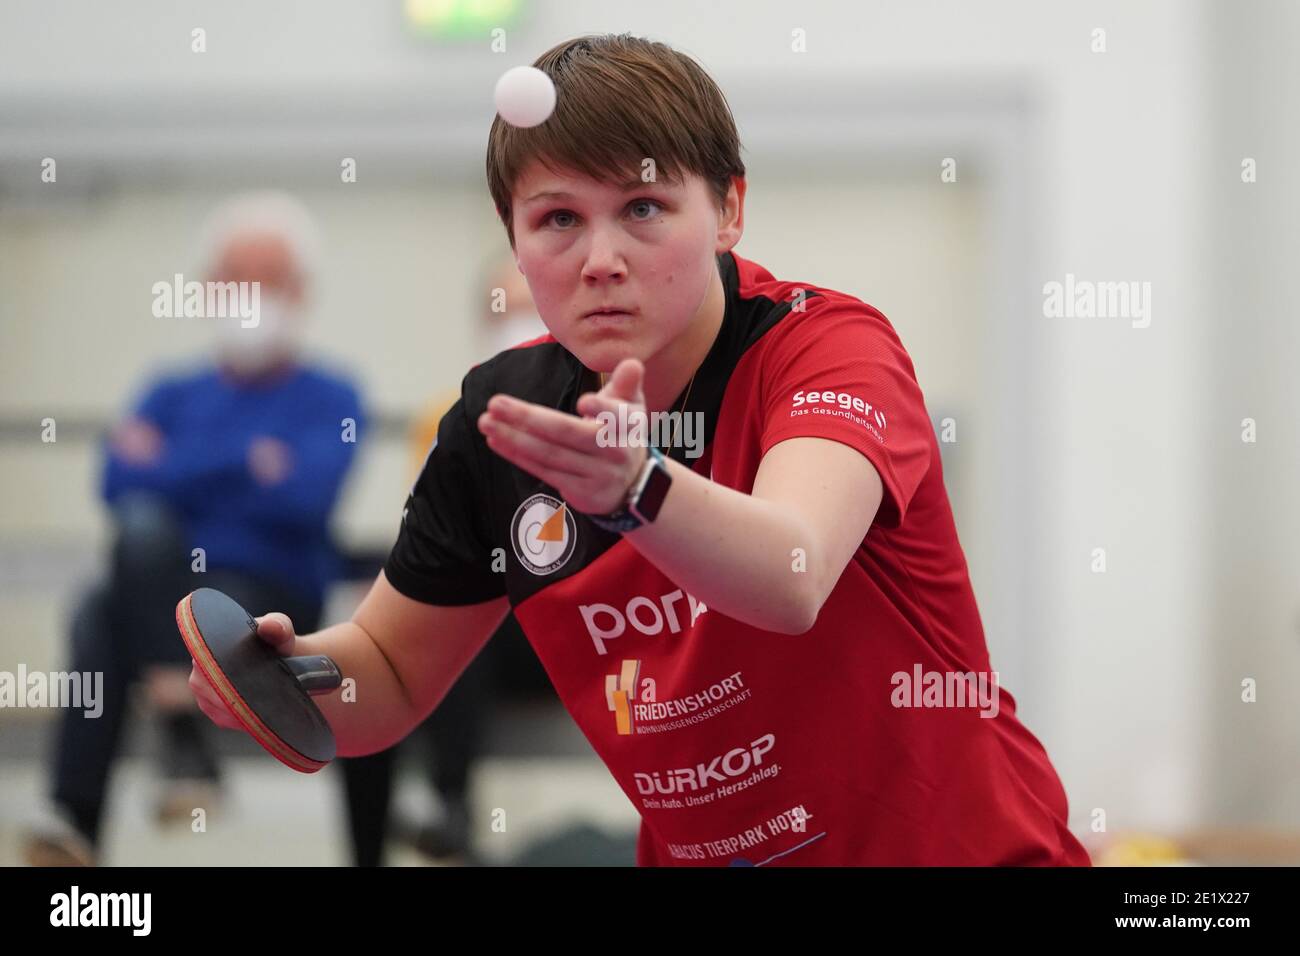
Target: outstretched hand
<point x="572" y="454"/>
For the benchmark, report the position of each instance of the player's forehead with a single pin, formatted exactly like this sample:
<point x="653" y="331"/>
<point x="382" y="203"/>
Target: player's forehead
<point x="539" y="183"/>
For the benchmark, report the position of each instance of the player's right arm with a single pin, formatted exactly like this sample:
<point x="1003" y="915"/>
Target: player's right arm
<point x="433" y="607"/>
<point x="402" y="656"/>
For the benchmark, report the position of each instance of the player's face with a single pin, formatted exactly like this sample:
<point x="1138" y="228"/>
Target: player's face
<point x="648" y="249"/>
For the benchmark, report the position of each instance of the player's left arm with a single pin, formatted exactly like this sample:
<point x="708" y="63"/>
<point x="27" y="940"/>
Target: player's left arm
<point x="772" y="557"/>
<point x="835" y="491"/>
<point x="768" y="558"/>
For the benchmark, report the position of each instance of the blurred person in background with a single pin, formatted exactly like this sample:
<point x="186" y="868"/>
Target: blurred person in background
<point x="452" y="737"/>
<point x="243" y="457"/>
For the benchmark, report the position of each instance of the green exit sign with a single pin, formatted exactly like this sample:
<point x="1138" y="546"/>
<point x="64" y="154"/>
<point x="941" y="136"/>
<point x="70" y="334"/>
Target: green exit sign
<point x="452" y="19"/>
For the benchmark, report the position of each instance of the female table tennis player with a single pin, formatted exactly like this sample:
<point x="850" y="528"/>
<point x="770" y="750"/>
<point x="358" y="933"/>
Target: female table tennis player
<point x="715" y="502"/>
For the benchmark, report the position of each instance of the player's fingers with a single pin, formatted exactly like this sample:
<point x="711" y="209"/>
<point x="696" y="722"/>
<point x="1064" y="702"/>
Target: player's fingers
<point x="580" y="491"/>
<point x="535" y="466"/>
<point x="220" y="715"/>
<point x="209" y="703"/>
<point x="559" y="428"/>
<point x="518" y="446"/>
<point x="626" y="382"/>
<point x="592" y="404"/>
<point x="277" y="630"/>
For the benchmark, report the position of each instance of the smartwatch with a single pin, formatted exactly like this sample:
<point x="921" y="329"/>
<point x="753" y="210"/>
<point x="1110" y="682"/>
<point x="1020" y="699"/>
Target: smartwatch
<point x="644" y="498"/>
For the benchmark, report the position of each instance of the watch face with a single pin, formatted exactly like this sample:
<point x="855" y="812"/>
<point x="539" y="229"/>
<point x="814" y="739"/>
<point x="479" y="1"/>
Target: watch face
<point x="653" y="495"/>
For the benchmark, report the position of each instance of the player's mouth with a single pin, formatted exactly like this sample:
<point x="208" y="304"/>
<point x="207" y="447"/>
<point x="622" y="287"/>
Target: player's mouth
<point x="607" y="314"/>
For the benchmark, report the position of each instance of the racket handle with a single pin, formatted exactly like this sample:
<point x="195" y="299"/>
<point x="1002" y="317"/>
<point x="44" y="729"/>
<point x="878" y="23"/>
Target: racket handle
<point x="315" y="674"/>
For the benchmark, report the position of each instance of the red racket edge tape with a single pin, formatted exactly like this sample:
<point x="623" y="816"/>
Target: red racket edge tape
<point x="238" y="706"/>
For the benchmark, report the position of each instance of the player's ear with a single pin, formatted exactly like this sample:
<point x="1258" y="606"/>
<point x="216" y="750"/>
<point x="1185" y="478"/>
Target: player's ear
<point x="731" y="218"/>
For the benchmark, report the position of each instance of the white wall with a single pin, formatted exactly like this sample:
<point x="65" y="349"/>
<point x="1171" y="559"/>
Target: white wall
<point x="1253" y="332"/>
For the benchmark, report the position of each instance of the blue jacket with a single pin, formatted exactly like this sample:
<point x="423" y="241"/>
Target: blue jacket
<point x="279" y="531"/>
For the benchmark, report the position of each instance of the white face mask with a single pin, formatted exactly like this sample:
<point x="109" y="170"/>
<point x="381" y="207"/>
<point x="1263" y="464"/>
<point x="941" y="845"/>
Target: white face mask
<point x="258" y="347"/>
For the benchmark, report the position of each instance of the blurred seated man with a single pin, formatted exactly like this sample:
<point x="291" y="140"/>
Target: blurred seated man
<point x="223" y="475"/>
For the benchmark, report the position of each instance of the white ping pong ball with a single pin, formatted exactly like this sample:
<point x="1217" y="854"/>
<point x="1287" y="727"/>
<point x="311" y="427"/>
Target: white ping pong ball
<point x="525" y="96"/>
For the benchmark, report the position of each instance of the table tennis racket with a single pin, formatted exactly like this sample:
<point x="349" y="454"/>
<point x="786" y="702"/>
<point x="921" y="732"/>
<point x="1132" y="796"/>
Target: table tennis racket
<point x="268" y="694"/>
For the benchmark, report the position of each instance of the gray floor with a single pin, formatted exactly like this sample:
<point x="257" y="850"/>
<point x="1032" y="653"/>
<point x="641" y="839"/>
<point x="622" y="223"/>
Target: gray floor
<point x="541" y="797"/>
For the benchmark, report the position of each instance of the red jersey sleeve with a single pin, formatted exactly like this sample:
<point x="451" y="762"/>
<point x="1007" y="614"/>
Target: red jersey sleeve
<point x="839" y="371"/>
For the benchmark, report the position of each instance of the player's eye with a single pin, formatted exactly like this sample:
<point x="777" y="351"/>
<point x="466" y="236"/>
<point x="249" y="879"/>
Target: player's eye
<point x="637" y="203"/>
<point x="549" y="217"/>
<point x="560" y="218"/>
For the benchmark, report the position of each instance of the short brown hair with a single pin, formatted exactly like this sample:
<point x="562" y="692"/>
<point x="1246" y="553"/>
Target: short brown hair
<point x="620" y="99"/>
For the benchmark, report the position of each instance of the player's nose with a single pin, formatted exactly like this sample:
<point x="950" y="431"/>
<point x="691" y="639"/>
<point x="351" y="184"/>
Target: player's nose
<point x="604" y="260"/>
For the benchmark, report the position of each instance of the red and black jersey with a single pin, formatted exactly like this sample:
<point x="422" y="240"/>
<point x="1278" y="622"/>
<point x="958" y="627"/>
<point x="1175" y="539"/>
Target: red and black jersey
<point x="878" y="737"/>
